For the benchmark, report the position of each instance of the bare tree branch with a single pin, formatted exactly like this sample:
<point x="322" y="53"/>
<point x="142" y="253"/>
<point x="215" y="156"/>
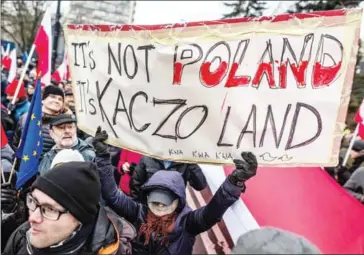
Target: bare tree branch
<point x="10" y="34"/>
<point x="20" y="20"/>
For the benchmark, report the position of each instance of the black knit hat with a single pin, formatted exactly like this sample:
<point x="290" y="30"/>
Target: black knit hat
<point x="75" y="186"/>
<point x="52" y="90"/>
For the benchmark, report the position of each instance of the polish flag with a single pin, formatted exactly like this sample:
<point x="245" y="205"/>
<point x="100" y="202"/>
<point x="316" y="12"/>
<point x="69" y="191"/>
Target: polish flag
<point x="8" y="61"/>
<point x="303" y="200"/>
<point x="12" y="66"/>
<point x="43" y="47"/>
<point x="359" y="118"/>
<point x="62" y="72"/>
<point x="5" y="52"/>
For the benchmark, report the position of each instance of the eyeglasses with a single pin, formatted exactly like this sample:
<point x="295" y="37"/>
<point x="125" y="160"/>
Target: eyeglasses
<point x="47" y="211"/>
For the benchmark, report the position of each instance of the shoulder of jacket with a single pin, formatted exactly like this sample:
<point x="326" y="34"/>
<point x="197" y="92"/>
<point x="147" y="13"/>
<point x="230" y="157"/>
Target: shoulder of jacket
<point x="124" y="227"/>
<point x="125" y="233"/>
<point x="19" y="235"/>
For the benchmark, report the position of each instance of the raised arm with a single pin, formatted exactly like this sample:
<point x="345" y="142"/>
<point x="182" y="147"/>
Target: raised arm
<point x="138" y="178"/>
<point x="204" y="218"/>
<point x="196" y="179"/>
<point x="114" y="197"/>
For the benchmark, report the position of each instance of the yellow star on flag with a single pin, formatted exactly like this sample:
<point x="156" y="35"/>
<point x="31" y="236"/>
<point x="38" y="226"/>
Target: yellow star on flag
<point x="33" y="116"/>
<point x="25" y="158"/>
<point x="34" y="153"/>
<point x="40" y="132"/>
<point x="38" y="123"/>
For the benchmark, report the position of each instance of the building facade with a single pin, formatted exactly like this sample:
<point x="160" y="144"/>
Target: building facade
<point x="100" y="12"/>
<point x="95" y="12"/>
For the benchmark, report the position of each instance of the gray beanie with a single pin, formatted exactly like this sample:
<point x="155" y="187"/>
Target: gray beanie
<point x="67" y="155"/>
<point x="270" y="240"/>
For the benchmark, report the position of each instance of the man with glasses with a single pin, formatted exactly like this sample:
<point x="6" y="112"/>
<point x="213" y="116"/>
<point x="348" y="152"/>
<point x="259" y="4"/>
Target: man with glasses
<point x="65" y="216"/>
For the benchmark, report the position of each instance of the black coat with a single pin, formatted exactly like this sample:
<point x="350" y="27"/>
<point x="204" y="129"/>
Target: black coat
<point x="148" y="166"/>
<point x="103" y="239"/>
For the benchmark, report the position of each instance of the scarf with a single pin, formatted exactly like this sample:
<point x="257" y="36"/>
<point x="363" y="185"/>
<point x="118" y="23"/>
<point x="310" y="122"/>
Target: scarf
<point x="160" y="226"/>
<point x="71" y="245"/>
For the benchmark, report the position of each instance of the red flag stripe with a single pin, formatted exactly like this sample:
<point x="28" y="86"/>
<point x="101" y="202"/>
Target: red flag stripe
<point x="4" y="139"/>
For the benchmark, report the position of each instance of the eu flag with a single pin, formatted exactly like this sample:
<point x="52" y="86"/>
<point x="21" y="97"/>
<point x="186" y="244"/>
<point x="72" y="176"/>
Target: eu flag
<point x="31" y="143"/>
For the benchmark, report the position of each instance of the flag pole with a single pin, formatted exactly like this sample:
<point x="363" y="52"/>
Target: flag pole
<point x="12" y="170"/>
<point x="3" y="174"/>
<point x="351" y="145"/>
<point x="39" y="75"/>
<point x="21" y="78"/>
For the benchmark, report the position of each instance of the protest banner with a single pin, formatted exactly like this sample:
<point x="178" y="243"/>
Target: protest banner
<point x="205" y="91"/>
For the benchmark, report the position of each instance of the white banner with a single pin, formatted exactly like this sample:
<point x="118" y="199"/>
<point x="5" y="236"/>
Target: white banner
<point x="204" y="92"/>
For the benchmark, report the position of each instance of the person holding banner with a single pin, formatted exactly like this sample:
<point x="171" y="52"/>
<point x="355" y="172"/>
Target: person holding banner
<point x="165" y="223"/>
<point x="148" y="166"/>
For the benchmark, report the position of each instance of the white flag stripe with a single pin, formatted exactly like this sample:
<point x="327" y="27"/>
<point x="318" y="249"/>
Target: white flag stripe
<point x="237" y="218"/>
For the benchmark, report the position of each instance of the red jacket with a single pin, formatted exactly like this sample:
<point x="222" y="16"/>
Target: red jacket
<point x="130" y="157"/>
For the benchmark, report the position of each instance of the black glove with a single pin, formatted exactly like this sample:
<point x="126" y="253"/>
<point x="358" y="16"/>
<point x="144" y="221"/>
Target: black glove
<point x="99" y="144"/>
<point x="132" y="168"/>
<point x="244" y="169"/>
<point x="8" y="198"/>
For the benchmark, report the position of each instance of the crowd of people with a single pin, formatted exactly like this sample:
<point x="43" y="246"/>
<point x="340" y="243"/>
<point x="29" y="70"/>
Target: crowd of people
<point x="89" y="197"/>
<point x="350" y="175"/>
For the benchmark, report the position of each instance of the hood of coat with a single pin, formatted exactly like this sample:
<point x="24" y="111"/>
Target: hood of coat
<point x="169" y="180"/>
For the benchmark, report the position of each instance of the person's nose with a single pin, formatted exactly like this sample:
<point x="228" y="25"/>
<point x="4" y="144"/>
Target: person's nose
<point x="35" y="216"/>
<point x="68" y="131"/>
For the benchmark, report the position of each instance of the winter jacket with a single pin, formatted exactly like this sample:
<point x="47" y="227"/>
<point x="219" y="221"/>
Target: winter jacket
<point x="6" y="121"/>
<point x="130" y="157"/>
<point x="84" y="148"/>
<point x="21" y="108"/>
<point x="188" y="223"/>
<point x="7" y="156"/>
<point x="48" y="141"/>
<point x="8" y="124"/>
<point x="111" y="235"/>
<point x="355" y="185"/>
<point x="148" y="166"/>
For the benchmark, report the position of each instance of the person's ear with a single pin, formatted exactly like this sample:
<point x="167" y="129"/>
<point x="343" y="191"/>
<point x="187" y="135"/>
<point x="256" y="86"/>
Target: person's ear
<point x="51" y="133"/>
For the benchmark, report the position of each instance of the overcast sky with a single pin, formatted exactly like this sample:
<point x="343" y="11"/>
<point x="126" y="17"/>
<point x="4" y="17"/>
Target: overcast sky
<point x="157" y="12"/>
<point x="160" y="12"/>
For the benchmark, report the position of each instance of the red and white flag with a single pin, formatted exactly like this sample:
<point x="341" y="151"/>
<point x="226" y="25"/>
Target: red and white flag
<point x="13" y="67"/>
<point x="302" y="200"/>
<point x="62" y="72"/>
<point x="43" y="47"/>
<point x="359" y="118"/>
<point x="8" y="62"/>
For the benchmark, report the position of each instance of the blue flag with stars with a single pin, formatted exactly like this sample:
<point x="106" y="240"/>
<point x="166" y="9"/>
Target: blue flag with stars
<point x="31" y="143"/>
